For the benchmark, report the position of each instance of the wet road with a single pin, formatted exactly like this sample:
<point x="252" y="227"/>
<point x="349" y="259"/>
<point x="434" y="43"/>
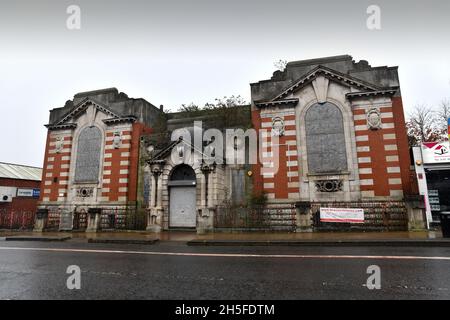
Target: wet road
<point x="172" y="270"/>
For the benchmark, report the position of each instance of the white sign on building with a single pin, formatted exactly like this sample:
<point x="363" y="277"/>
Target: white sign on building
<point x="436" y="152"/>
<point x="342" y="215"/>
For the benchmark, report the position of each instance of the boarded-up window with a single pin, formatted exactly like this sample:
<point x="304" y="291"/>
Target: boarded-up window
<point x="88" y="155"/>
<point x="238" y="186"/>
<point x="325" y="139"/>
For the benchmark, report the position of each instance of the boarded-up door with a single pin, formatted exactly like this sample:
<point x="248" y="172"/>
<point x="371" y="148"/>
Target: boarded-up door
<point x="182" y="207"/>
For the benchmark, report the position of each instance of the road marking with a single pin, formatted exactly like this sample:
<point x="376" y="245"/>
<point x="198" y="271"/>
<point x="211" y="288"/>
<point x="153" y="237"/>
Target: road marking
<point x="227" y="255"/>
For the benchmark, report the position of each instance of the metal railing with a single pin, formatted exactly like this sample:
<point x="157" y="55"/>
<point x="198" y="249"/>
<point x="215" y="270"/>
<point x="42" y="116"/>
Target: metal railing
<point x="16" y="220"/>
<point x="255" y="218"/>
<point x="378" y="216"/>
<point x="123" y="219"/>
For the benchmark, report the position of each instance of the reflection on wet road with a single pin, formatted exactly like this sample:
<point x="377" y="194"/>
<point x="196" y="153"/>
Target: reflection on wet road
<point x="174" y="271"/>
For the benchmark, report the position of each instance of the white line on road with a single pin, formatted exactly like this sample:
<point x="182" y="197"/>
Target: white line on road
<point x="227" y="255"/>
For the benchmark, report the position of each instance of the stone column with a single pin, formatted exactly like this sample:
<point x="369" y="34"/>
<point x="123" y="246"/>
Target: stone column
<point x="94" y="216"/>
<point x="206" y="212"/>
<point x="152" y="192"/>
<point x="203" y="192"/>
<point x="303" y="217"/>
<point x="210" y="200"/>
<point x="155" y="210"/>
<point x="159" y="191"/>
<point x="41" y="220"/>
<point x="415" y="207"/>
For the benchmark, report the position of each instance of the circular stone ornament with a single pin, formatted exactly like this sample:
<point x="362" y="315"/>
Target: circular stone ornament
<point x="277" y="127"/>
<point x="374" y="119"/>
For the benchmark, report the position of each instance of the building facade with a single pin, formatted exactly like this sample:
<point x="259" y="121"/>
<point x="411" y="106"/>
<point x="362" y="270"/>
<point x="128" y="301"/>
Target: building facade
<point x="344" y="137"/>
<point x="92" y="158"/>
<point x="432" y="164"/>
<point x="330" y="132"/>
<point x="19" y="194"/>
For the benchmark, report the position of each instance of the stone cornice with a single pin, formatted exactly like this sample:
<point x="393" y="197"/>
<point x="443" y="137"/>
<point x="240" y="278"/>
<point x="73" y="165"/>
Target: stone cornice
<point x="389" y="92"/>
<point x="285" y="102"/>
<point x="119" y="120"/>
<point x="61" y="126"/>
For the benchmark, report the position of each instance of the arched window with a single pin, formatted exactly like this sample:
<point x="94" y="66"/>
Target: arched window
<point x="325" y="139"/>
<point x="88" y="155"/>
<point x="183" y="172"/>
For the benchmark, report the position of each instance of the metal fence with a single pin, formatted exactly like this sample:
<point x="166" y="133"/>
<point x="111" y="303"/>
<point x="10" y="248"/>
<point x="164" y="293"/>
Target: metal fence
<point x="123" y="219"/>
<point x="53" y="219"/>
<point x="378" y="216"/>
<point x="80" y="219"/>
<point x="16" y="220"/>
<point x="257" y="218"/>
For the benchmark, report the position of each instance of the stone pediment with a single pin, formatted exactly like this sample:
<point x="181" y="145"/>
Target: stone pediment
<point x="320" y="76"/>
<point x="68" y="120"/>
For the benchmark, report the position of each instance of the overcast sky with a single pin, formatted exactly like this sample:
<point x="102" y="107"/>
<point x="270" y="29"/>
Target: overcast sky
<point x="180" y="51"/>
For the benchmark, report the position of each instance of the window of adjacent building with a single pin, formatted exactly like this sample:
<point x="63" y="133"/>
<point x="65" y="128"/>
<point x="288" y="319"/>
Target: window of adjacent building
<point x="88" y="155"/>
<point x="325" y="139"/>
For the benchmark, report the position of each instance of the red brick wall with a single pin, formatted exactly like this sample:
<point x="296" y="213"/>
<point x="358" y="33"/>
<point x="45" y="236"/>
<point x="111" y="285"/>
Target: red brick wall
<point x="116" y="167"/>
<point x="256" y="168"/>
<point x="55" y="175"/>
<point x="138" y="130"/>
<point x="378" y="153"/>
<point x="44" y="170"/>
<point x="20" y="204"/>
<point x="409" y="179"/>
<point x="121" y="166"/>
<point x="282" y="179"/>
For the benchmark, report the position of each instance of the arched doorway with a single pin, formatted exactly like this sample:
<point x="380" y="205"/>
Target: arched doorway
<point x="182" y="198"/>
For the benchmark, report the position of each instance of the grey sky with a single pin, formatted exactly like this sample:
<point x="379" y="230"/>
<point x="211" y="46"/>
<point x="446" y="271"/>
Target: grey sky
<point x="182" y="51"/>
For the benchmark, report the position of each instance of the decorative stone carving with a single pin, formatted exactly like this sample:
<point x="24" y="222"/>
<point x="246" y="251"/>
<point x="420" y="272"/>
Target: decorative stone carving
<point x="320" y="85"/>
<point x="277" y="127"/>
<point x="85" y="192"/>
<point x="59" y="144"/>
<point x="374" y="119"/>
<point x="209" y="150"/>
<point x="180" y="151"/>
<point x="116" y="140"/>
<point x="150" y="150"/>
<point x="329" y="185"/>
<point x="208" y="168"/>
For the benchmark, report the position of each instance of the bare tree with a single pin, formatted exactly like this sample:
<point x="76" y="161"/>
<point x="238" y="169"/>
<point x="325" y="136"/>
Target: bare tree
<point x="422" y="126"/>
<point x="444" y="111"/>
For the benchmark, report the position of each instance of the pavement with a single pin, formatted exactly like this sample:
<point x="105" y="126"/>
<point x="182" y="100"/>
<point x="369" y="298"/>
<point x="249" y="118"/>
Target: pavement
<point x="419" y="238"/>
<point x="173" y="270"/>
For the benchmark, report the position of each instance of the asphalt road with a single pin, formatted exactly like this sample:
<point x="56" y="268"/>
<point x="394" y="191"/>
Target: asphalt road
<point x="170" y="270"/>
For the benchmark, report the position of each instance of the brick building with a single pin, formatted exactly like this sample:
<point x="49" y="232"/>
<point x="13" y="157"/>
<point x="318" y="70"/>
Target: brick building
<point x="92" y="158"/>
<point x="331" y="133"/>
<point x="343" y="139"/>
<point x="19" y="194"/>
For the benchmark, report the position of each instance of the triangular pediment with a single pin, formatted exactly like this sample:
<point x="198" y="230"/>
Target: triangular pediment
<point x="319" y="78"/>
<point x="82" y="107"/>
